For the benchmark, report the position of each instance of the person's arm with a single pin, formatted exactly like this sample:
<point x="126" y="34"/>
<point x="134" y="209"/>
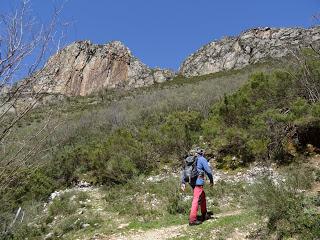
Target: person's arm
<point x="183" y="182"/>
<point x="207" y="170"/>
<point x="182" y="178"/>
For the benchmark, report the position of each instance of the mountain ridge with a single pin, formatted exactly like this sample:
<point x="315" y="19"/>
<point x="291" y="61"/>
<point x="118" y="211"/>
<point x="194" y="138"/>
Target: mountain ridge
<point x="250" y="46"/>
<point x="83" y="68"/>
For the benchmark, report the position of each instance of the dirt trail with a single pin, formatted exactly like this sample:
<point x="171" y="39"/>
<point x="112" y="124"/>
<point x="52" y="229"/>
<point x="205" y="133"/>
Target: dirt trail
<point x="178" y="230"/>
<point x="162" y="233"/>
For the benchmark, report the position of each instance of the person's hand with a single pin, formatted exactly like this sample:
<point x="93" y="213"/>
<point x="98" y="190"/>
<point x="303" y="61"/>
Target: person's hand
<point x="183" y="187"/>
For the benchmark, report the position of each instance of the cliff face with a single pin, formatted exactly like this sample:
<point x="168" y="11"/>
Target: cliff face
<point x="83" y="68"/>
<point x="250" y="47"/>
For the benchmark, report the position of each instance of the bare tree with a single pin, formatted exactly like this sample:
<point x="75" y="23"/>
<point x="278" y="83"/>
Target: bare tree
<point x="22" y="38"/>
<point x="25" y="44"/>
<point x="306" y="75"/>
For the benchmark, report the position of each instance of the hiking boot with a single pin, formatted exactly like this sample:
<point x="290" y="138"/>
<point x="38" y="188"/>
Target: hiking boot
<point x="206" y="216"/>
<point x="210" y="213"/>
<point x="197" y="222"/>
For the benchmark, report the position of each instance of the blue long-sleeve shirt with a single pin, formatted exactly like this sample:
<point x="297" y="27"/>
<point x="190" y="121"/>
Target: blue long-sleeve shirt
<point x="202" y="168"/>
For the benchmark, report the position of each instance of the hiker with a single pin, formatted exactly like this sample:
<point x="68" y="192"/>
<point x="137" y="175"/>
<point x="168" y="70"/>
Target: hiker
<point x="195" y="175"/>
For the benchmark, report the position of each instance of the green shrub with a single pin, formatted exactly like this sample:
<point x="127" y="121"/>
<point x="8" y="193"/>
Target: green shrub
<point x="222" y="190"/>
<point x="233" y="150"/>
<point x="114" y="159"/>
<point x="179" y="131"/>
<point x="40" y="185"/>
<point x="30" y="223"/>
<point x="289" y="212"/>
<point x="126" y="153"/>
<point x="300" y="108"/>
<point x="134" y="200"/>
<point x="176" y="203"/>
<point x="27" y="185"/>
<point x="257" y="121"/>
<point x="62" y="205"/>
<point x="299" y="177"/>
<point x="316" y="110"/>
<point x="23" y="232"/>
<point x="121" y="157"/>
<point x="82" y="196"/>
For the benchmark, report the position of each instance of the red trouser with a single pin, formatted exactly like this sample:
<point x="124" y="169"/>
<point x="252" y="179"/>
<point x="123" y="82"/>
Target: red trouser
<point x="199" y="197"/>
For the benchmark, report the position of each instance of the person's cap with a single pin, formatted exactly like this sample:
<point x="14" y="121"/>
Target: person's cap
<point x="200" y="151"/>
<point x="192" y="152"/>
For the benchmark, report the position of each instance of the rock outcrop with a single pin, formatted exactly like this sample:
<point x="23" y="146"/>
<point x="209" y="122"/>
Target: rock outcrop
<point x="83" y="68"/>
<point x="249" y="47"/>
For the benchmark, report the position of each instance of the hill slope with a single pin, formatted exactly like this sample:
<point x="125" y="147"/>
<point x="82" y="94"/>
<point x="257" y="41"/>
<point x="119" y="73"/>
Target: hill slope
<point x="259" y="124"/>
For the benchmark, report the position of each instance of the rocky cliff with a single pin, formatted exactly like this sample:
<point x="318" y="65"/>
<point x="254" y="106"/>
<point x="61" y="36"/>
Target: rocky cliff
<point x="83" y="68"/>
<point x="249" y="47"/>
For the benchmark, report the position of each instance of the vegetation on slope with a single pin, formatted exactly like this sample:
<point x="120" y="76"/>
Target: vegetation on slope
<point x="110" y="143"/>
<point x="84" y="126"/>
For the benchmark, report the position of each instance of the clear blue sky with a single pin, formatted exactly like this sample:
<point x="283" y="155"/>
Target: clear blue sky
<point x="164" y="32"/>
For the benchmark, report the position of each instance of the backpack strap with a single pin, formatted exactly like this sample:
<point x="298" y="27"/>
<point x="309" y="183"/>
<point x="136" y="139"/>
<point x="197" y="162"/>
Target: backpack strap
<point x="195" y="162"/>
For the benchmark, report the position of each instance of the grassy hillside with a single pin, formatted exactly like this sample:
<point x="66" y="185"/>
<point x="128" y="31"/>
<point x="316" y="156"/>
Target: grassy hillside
<point x="263" y="113"/>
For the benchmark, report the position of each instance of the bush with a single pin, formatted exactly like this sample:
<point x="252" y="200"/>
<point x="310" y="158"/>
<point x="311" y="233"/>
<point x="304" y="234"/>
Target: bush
<point x="137" y="199"/>
<point x="128" y="152"/>
<point x="121" y="157"/>
<point x="40" y="185"/>
<point x="114" y="159"/>
<point x="29" y="224"/>
<point x="176" y="203"/>
<point x="23" y="232"/>
<point x="288" y="211"/>
<point x="233" y="149"/>
<point x="26" y="186"/>
<point x="62" y="206"/>
<point x="179" y="131"/>
<point x="258" y="121"/>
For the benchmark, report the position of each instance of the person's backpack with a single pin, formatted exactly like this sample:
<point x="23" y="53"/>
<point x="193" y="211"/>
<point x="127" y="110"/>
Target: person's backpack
<point x="190" y="172"/>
